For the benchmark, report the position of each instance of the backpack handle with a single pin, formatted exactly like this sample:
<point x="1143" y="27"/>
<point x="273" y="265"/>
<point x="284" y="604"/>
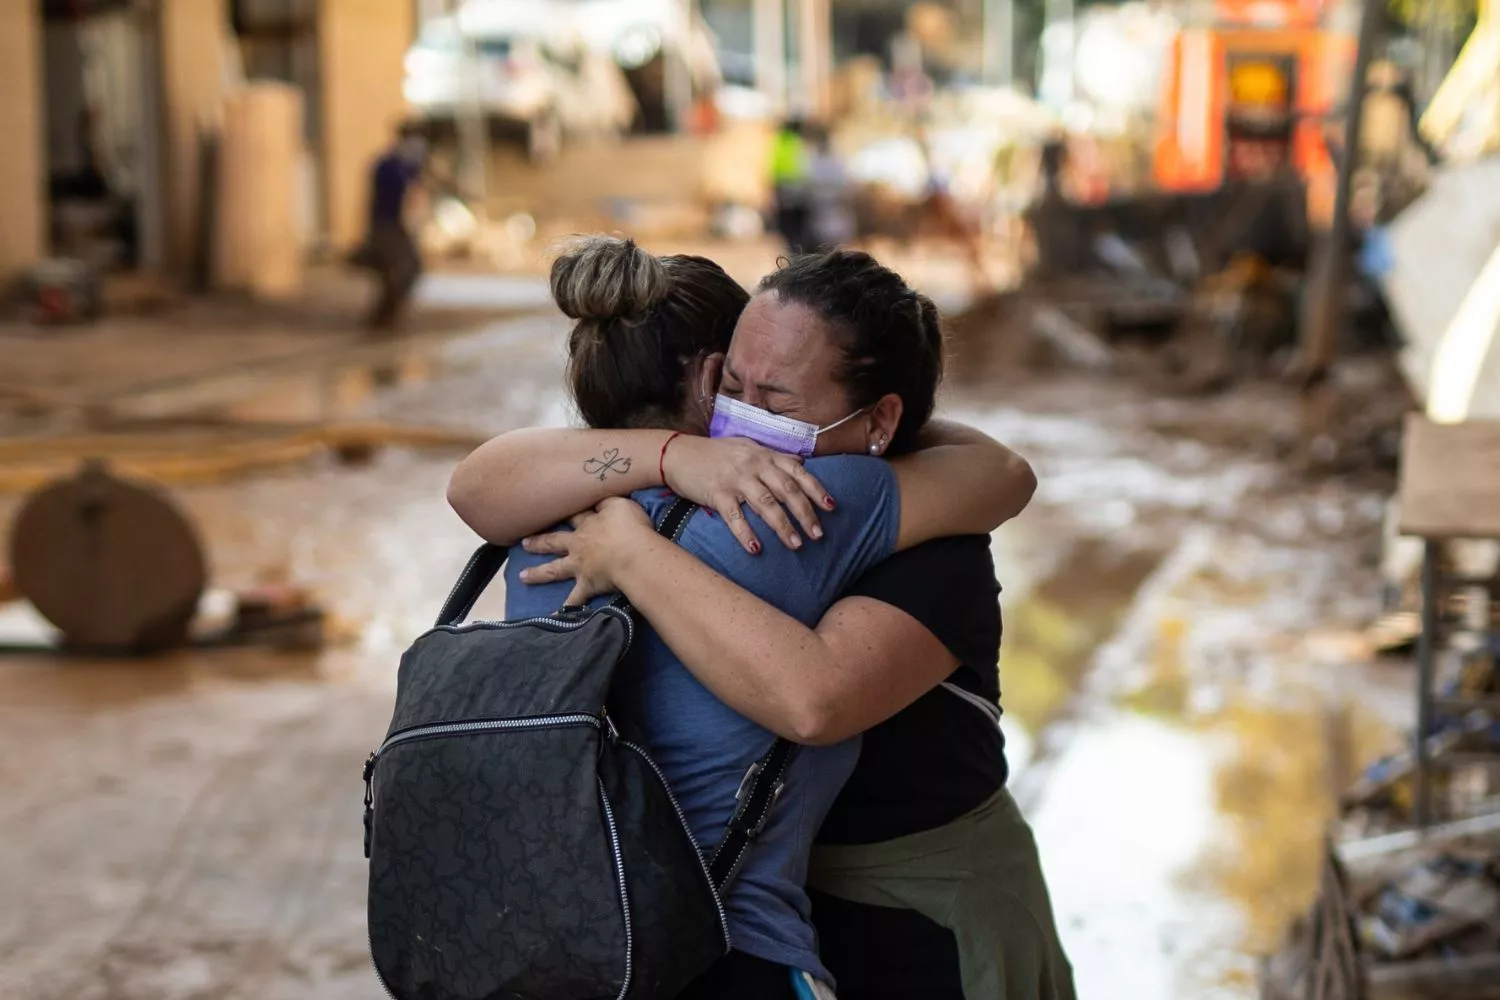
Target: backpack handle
<point x="480" y="570"/>
<point x="488" y="558"/>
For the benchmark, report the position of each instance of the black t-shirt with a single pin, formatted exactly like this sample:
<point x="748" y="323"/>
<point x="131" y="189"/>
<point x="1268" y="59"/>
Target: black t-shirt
<point x="942" y="756"/>
<point x="932" y="762"/>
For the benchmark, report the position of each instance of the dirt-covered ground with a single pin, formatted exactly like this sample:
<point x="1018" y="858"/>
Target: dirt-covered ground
<point x="1180" y="620"/>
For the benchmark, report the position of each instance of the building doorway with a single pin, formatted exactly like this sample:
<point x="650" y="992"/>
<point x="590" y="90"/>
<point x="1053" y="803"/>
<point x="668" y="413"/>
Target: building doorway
<point x="100" y="133"/>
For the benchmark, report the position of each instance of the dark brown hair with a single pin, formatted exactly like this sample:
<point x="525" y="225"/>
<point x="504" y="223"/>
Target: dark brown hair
<point x="890" y="335"/>
<point x="641" y="320"/>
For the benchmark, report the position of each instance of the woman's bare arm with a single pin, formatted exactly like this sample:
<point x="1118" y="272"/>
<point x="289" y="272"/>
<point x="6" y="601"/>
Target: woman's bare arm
<point x="960" y="481"/>
<point x="524" y="481"/>
<point x="863" y="663"/>
<point x="527" y="480"/>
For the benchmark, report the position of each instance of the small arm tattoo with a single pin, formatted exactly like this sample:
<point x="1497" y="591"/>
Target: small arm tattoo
<point x="610" y="461"/>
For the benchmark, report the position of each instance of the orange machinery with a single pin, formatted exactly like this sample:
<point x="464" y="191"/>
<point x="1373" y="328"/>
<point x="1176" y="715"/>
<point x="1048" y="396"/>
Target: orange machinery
<point x="1255" y="89"/>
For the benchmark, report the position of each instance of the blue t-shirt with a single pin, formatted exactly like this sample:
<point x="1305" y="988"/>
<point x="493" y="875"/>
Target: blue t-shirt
<point x="704" y="747"/>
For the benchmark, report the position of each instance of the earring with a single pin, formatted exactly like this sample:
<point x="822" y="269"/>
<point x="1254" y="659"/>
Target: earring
<point x="874" y="449"/>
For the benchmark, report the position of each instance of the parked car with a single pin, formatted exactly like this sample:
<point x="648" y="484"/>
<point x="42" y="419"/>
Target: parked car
<point x="529" y="71"/>
<point x="657" y="43"/>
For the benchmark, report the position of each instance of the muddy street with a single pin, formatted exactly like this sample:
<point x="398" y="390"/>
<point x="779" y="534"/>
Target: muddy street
<point x="1179" y="617"/>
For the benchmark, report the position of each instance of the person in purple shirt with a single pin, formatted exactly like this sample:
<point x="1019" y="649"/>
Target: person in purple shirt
<point x="389" y="248"/>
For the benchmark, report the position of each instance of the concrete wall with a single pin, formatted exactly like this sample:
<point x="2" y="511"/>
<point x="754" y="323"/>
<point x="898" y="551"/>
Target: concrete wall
<point x="22" y="185"/>
<point x="194" y="41"/>
<point x="362" y="44"/>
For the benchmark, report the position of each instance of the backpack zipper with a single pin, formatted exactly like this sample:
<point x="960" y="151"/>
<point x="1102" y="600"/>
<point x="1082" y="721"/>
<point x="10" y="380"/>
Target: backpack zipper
<point x="697" y="850"/>
<point x="555" y="623"/>
<point x="453" y="729"/>
<point x="614" y="844"/>
<point x="484" y="725"/>
<point x="370" y="944"/>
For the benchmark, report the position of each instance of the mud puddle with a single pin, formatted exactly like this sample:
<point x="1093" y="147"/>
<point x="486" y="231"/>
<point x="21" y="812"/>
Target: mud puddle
<point x="1178" y="623"/>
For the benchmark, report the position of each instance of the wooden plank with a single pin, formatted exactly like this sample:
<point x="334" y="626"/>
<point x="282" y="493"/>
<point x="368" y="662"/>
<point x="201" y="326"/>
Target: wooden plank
<point x="1472" y="976"/>
<point x="1468" y="703"/>
<point x="1450" y="479"/>
<point x="1354" y="852"/>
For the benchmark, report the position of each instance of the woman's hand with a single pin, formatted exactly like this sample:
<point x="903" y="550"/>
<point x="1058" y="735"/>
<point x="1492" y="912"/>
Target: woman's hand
<point x="589" y="554"/>
<point x="721" y="473"/>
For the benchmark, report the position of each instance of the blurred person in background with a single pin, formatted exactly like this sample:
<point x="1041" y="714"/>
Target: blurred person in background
<point x="789" y="184"/>
<point x="390" y="250"/>
<point x="830" y="218"/>
<point x="944" y="217"/>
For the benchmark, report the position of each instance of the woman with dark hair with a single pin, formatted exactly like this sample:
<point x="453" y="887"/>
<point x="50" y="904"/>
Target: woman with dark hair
<point x="645" y="352"/>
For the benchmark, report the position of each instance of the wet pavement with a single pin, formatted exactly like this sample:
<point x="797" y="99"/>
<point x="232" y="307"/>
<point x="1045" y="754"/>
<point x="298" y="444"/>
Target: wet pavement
<point x="1177" y="632"/>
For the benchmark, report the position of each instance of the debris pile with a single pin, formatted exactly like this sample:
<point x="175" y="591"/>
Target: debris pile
<point x="1426" y="899"/>
<point x="1446" y="905"/>
<point x="1422" y="913"/>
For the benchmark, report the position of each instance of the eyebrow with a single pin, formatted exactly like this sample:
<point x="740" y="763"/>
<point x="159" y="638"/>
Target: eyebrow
<point x="762" y="386"/>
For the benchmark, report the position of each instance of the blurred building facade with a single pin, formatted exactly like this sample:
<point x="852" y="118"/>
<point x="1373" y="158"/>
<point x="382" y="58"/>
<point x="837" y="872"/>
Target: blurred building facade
<point x="109" y="108"/>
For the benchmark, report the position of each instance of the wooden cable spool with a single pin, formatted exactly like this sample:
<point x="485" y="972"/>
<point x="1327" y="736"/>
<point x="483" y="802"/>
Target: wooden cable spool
<point x="114" y="565"/>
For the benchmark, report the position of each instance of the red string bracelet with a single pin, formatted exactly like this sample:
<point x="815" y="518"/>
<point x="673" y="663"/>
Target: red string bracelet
<point x="661" y="463"/>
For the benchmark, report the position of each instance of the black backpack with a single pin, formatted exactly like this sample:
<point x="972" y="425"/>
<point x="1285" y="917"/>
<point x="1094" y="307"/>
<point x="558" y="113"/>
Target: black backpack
<point x="522" y="843"/>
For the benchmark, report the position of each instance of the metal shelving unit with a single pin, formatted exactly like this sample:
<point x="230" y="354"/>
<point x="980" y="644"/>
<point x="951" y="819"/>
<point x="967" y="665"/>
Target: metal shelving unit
<point x="1450" y="490"/>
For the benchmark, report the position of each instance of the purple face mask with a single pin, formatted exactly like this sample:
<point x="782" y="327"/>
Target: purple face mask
<point x="734" y="418"/>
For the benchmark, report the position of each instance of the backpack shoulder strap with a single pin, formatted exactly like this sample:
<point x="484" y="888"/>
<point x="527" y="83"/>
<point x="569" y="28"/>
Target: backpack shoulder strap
<point x="671" y="526"/>
<point x="761" y="787"/>
<point x="487" y="560"/>
<point x="676" y="518"/>
<point x="762" y="784"/>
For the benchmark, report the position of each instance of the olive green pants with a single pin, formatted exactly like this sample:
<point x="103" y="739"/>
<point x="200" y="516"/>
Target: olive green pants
<point x="980" y="877"/>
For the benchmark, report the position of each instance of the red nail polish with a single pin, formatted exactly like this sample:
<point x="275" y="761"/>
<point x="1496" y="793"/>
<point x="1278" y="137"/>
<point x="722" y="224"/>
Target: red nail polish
<point x="755" y="548"/>
<point x="828" y="502"/>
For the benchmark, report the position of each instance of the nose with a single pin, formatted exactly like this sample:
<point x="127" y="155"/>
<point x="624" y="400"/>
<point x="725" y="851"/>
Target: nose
<point x="752" y="395"/>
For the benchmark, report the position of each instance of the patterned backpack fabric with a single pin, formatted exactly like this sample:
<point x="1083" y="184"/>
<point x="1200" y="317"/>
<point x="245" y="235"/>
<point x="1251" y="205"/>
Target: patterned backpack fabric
<point x="522" y="843"/>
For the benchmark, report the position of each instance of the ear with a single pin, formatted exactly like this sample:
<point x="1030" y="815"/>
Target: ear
<point x="885" y="417"/>
<point x="710" y="370"/>
<point x="701" y="384"/>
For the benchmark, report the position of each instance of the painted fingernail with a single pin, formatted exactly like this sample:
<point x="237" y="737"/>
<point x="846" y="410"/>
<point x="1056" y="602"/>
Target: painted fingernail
<point x="828" y="502"/>
<point x="755" y="548"/>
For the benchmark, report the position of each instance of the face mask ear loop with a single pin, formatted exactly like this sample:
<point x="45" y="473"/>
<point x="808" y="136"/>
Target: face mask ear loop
<point x="842" y="420"/>
<point x="702" y="378"/>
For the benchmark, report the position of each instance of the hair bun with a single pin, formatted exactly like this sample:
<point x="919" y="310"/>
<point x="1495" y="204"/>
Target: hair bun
<point x="607" y="278"/>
